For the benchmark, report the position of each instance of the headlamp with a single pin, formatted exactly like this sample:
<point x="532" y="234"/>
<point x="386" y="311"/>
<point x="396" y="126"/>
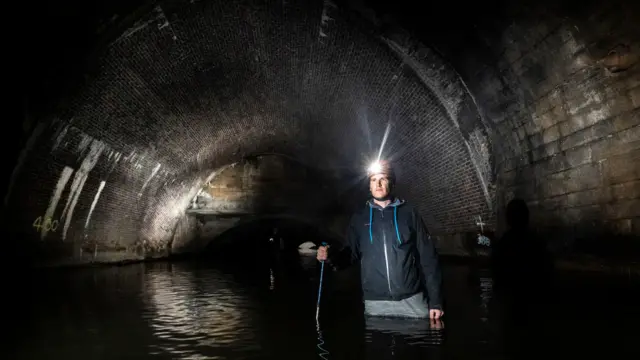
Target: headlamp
<point x="375" y="167"/>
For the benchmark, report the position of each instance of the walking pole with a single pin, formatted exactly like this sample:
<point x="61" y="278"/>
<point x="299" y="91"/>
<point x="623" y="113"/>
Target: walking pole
<point x="320" y="285"/>
<point x="323" y="352"/>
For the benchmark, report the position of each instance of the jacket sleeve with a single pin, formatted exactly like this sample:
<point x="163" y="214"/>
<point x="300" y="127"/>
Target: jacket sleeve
<point x="350" y="252"/>
<point x="429" y="261"/>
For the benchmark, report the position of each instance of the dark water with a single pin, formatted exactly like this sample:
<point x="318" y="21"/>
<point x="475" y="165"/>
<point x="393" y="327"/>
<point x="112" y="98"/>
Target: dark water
<point x="201" y="310"/>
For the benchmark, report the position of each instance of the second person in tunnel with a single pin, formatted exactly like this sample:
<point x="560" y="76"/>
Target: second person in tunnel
<point x="400" y="269"/>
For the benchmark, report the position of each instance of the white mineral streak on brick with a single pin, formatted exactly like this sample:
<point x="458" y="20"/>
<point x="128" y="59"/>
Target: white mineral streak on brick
<point x="95" y="201"/>
<point x="324" y="18"/>
<point x="95" y="149"/>
<point x="479" y="150"/>
<point x="55" y="197"/>
<point x="153" y="173"/>
<point x="161" y="16"/>
<point x="59" y="137"/>
<point x="130" y="157"/>
<point x="85" y="141"/>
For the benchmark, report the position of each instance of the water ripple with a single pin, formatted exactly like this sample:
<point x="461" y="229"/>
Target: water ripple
<point x="418" y="332"/>
<point x="189" y="313"/>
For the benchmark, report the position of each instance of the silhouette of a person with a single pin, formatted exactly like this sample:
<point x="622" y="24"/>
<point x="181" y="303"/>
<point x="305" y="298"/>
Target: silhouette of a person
<point x="521" y="262"/>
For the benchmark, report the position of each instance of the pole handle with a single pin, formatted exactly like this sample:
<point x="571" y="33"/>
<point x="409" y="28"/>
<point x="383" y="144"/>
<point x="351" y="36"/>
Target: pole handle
<point x="320" y="284"/>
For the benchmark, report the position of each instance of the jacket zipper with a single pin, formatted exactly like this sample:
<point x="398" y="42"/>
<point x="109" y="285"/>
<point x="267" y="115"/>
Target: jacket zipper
<point x="386" y="260"/>
<point x="386" y="256"/>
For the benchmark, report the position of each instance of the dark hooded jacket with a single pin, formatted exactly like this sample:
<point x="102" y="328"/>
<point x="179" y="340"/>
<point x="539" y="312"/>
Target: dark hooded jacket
<point x="397" y="256"/>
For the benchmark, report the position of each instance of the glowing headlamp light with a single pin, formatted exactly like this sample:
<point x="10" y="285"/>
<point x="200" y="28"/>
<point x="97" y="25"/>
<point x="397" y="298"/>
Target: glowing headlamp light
<point x="375" y="167"/>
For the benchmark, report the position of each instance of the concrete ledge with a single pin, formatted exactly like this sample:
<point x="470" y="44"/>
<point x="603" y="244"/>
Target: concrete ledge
<point x="463" y="247"/>
<point x="461" y="244"/>
<point x="110" y="258"/>
<point x="589" y="264"/>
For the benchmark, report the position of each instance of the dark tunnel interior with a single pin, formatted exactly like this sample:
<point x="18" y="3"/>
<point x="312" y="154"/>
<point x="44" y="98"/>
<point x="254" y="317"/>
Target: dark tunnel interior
<point x="130" y="108"/>
<point x="265" y="236"/>
<point x="148" y="132"/>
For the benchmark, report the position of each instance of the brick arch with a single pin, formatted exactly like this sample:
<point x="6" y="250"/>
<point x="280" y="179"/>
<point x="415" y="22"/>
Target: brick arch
<point x="167" y="105"/>
<point x="521" y="106"/>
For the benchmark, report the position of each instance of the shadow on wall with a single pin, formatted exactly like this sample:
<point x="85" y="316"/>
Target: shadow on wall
<point x="533" y="237"/>
<point x="595" y="239"/>
<point x="557" y="84"/>
<point x="520" y="259"/>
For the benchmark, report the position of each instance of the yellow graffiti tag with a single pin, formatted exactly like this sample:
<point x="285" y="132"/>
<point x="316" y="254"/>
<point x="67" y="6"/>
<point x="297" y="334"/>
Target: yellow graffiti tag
<point x="48" y="225"/>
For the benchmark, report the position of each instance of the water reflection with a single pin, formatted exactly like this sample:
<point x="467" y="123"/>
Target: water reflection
<point x="322" y="352"/>
<point x="403" y="338"/>
<point x="419" y="332"/>
<point x="187" y="311"/>
<point x="197" y="315"/>
<point x="272" y="280"/>
<point x="486" y="292"/>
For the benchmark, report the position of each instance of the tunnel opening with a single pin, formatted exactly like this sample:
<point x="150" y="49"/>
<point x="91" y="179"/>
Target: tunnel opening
<point x="261" y="187"/>
<point x="280" y="251"/>
<point x="260" y="238"/>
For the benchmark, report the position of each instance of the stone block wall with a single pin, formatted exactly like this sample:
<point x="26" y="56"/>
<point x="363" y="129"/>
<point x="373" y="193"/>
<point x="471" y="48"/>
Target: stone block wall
<point x="566" y="111"/>
<point x="557" y="83"/>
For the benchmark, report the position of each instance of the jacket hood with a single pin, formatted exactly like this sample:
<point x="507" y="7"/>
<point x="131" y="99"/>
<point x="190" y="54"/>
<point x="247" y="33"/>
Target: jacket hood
<point x="394" y="203"/>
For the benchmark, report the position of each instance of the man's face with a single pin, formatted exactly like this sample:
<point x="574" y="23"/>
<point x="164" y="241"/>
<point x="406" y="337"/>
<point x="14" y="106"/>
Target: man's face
<point x="379" y="185"/>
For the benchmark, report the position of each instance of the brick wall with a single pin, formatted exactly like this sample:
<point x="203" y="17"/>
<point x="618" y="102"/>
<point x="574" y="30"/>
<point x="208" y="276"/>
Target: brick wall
<point x="549" y="116"/>
<point x="78" y="196"/>
<point x="573" y="126"/>
<point x="564" y="122"/>
<point x="190" y="87"/>
<point x="562" y="113"/>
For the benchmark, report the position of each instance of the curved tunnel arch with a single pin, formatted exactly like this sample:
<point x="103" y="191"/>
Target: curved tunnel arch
<point x="194" y="86"/>
<point x="288" y="96"/>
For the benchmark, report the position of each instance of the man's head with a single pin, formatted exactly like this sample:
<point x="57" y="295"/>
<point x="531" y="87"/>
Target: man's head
<point x="517" y="214"/>
<point x="381" y="180"/>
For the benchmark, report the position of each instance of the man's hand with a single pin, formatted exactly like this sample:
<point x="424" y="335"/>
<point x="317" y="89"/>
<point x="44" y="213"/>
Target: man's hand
<point x="436" y="324"/>
<point x="435" y="314"/>
<point x="321" y="255"/>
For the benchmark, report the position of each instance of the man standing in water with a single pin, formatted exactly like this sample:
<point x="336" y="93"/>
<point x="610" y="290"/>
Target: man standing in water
<point x="400" y="270"/>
